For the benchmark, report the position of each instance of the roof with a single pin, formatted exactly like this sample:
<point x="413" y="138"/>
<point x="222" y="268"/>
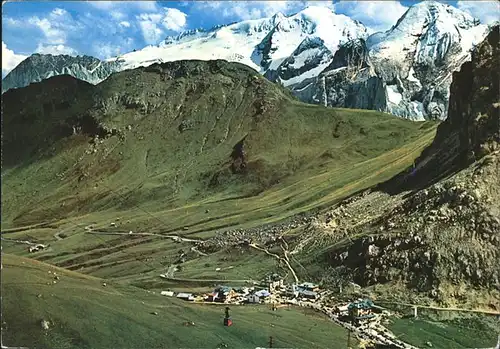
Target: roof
<point x="262" y="293"/>
<point x="308" y="293"/>
<point x="184" y="295"/>
<point x="364" y="304"/>
<point x="308" y="285"/>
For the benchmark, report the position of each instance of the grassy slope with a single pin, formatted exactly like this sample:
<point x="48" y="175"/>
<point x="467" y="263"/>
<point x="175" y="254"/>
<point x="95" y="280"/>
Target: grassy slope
<point x="449" y="334"/>
<point x="299" y="156"/>
<point x="157" y="179"/>
<point x="85" y="314"/>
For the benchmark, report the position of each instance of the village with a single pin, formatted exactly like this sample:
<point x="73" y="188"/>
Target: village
<point x="360" y="316"/>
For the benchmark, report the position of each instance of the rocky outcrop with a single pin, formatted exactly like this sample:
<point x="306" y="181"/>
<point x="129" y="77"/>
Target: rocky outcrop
<point x="472" y="129"/>
<point x="348" y="81"/>
<point x="442" y="238"/>
<point x="309" y="58"/>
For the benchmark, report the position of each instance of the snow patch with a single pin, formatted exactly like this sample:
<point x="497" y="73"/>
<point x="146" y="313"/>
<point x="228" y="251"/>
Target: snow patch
<point x="393" y="95"/>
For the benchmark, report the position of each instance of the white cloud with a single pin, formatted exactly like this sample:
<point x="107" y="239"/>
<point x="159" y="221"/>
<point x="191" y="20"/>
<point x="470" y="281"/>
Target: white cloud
<point x="12" y="22"/>
<point x="125" y="24"/>
<point x="487" y="11"/>
<point x="56" y="26"/>
<point x="174" y="19"/>
<point x="244" y="10"/>
<point x="378" y="15"/>
<point x="10" y="59"/>
<point x="56" y="50"/>
<point x="170" y="19"/>
<point x="52" y="33"/>
<point x="117" y="15"/>
<point x="148" y="6"/>
<point x="149" y="26"/>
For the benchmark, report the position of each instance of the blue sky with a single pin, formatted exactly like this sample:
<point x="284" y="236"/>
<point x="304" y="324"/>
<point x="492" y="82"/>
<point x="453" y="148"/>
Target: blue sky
<point x="107" y="28"/>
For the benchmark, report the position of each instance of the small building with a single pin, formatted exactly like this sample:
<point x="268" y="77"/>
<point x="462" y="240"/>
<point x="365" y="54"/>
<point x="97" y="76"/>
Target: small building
<point x="292" y="291"/>
<point x="309" y="286"/>
<point x="37" y="247"/>
<point x="223" y="294"/>
<point x="185" y="296"/>
<point x="167" y="293"/>
<point x="262" y="293"/>
<point x="253" y="298"/>
<point x="308" y="294"/>
<point x="273" y="282"/>
<point x="360" y="309"/>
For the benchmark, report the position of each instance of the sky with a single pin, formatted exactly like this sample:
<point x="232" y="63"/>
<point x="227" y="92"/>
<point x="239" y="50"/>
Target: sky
<point x="106" y="29"/>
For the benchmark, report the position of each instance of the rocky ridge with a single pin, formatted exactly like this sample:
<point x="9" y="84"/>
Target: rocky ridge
<point x="407" y="70"/>
<point x="439" y="236"/>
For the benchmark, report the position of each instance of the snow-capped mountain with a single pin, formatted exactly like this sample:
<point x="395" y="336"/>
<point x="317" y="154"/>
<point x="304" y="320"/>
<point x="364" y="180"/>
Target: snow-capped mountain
<point x="262" y="44"/>
<point x="37" y="67"/>
<point x="321" y="56"/>
<point x="411" y="64"/>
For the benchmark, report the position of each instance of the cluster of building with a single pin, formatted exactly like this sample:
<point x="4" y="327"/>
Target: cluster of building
<point x="271" y="289"/>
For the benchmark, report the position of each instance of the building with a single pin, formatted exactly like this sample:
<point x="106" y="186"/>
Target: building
<point x="185" y="296"/>
<point x="273" y="282"/>
<point x="167" y="293"/>
<point x="292" y="291"/>
<point x="253" y="298"/>
<point x="223" y="294"/>
<point x="309" y="286"/>
<point x="262" y="293"/>
<point x="308" y="294"/>
<point x="361" y="309"/>
<point x="37" y="247"/>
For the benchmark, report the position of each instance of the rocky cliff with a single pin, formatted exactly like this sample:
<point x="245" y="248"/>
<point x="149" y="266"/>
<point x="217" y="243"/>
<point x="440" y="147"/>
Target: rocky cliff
<point x="436" y="227"/>
<point x="407" y="70"/>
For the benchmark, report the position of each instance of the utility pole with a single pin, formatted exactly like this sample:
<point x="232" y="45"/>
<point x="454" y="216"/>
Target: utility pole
<point x="349" y="339"/>
<point x="349" y="334"/>
<point x="270" y="341"/>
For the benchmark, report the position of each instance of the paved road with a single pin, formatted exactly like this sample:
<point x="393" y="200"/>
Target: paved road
<point x="173" y="237"/>
<point x="490" y="312"/>
<point x="26" y="242"/>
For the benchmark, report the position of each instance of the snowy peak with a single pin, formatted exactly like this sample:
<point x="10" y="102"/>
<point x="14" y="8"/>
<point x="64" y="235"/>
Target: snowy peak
<point x="283" y="40"/>
<point x="307" y="61"/>
<point x="430" y="34"/>
<point x="433" y="12"/>
<point x="38" y="67"/>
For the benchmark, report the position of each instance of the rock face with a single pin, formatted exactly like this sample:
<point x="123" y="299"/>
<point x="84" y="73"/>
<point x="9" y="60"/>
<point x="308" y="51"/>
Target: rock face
<point x="406" y="71"/>
<point x="472" y="129"/>
<point x="442" y="238"/>
<point x="38" y="67"/>
<point x="348" y="81"/>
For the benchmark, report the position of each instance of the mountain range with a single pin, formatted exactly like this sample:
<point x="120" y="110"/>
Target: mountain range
<point x="322" y="57"/>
